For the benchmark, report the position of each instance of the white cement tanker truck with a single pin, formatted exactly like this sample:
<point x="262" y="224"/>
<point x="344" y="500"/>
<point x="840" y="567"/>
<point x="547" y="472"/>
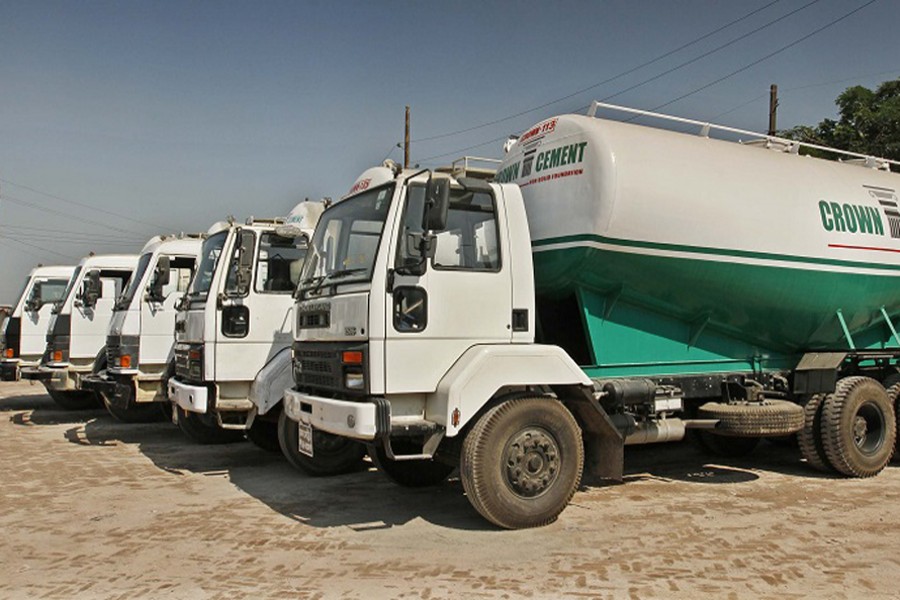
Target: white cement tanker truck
<point x="675" y="281"/>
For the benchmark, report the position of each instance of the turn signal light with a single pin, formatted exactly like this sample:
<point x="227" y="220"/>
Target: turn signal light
<point x="352" y="357"/>
<point x="57" y="356"/>
<point x="125" y="361"/>
<point x="9" y="353"/>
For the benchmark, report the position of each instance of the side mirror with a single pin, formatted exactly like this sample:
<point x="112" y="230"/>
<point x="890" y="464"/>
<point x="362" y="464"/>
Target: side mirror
<point x="437" y="203"/>
<point x="244" y="245"/>
<point x="160" y="278"/>
<point x="91" y="289"/>
<point x="34" y="302"/>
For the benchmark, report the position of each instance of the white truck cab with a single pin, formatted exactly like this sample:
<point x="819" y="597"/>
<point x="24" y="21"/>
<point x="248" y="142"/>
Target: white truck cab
<point x="76" y="332"/>
<point x="234" y="328"/>
<point x="131" y="375"/>
<point x="25" y="330"/>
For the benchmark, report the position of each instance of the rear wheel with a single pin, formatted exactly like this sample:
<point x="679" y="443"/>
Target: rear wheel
<point x="859" y="427"/>
<point x="332" y="454"/>
<point x="810" y="437"/>
<point x="75" y="399"/>
<point x="410" y="473"/>
<point x="196" y="428"/>
<point x="522" y="462"/>
<point x="136" y="413"/>
<point x="264" y="434"/>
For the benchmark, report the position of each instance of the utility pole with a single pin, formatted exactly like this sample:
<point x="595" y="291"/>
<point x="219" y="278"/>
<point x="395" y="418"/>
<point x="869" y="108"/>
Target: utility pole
<point x="406" y="142"/>
<point x="773" y="107"/>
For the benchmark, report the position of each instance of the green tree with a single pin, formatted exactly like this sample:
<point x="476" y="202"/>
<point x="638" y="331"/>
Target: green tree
<point x="869" y="122"/>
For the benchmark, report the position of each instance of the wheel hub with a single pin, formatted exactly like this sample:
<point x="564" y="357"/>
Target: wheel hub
<point x="860" y="428"/>
<point x="532" y="462"/>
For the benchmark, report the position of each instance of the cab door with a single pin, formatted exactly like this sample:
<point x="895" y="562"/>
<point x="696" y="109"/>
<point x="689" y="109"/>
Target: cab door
<point x="90" y="320"/>
<point x="463" y="298"/>
<point x="157" y="306"/>
<point x="36" y="314"/>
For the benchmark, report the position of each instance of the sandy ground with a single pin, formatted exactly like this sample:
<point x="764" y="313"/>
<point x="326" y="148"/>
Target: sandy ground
<point x="93" y="508"/>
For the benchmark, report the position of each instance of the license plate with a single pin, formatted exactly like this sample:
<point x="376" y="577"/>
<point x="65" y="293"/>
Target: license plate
<point x="306" y="439"/>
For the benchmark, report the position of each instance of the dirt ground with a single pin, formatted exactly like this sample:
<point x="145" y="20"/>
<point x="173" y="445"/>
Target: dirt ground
<point x="93" y="508"/>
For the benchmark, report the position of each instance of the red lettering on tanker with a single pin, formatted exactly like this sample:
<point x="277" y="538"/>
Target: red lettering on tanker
<point x="362" y="184"/>
<point x="539" y="129"/>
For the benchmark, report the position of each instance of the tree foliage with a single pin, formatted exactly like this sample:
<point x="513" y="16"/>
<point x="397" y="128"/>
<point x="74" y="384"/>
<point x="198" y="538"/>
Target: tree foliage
<point x="869" y="122"/>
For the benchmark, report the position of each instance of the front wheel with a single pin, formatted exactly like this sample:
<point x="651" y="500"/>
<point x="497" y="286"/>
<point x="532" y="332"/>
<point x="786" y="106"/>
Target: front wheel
<point x="264" y="434"/>
<point x="410" y="473"/>
<point x="522" y="462"/>
<point x="332" y="454"/>
<point x="192" y="425"/>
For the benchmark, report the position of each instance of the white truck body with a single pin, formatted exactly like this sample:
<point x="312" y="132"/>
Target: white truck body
<point x="661" y="261"/>
<point x="142" y="329"/>
<point x="230" y="333"/>
<point x="76" y="333"/>
<point x="25" y="330"/>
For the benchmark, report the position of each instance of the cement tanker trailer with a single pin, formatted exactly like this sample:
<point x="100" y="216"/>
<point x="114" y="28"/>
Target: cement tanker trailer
<point x="674" y="283"/>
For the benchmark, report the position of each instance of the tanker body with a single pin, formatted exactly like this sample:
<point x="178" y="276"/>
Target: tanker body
<point x="687" y="254"/>
<point x="614" y="284"/>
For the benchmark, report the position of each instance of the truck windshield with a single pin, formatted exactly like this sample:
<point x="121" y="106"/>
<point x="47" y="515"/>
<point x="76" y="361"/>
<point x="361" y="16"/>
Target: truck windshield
<point x="346" y="240"/>
<point x="124" y="300"/>
<point x="209" y="258"/>
<point x="76" y="277"/>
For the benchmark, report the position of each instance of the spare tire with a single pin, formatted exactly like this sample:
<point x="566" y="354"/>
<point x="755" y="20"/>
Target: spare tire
<point x="752" y="419"/>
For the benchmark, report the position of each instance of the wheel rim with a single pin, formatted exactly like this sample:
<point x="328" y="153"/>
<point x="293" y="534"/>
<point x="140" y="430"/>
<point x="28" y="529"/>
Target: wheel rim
<point x="327" y="444"/>
<point x="531" y="460"/>
<point x="868" y="428"/>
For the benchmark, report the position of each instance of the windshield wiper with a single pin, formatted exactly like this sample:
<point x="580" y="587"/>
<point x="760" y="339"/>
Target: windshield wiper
<point x="321" y="279"/>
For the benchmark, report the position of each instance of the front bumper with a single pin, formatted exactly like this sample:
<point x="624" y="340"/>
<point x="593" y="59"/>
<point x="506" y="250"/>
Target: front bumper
<point x="9" y="370"/>
<point x="97" y="383"/>
<point x="194" y="398"/>
<point x="55" y="378"/>
<point x="366" y="420"/>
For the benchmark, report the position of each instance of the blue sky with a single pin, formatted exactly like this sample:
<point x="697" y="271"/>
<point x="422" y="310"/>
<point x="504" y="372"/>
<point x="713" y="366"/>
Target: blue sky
<point x="176" y="114"/>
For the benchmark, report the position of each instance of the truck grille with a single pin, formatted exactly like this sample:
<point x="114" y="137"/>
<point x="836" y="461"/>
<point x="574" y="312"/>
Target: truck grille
<point x="189" y="362"/>
<point x="318" y="366"/>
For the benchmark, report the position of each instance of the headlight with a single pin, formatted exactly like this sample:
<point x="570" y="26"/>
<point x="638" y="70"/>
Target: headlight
<point x="354" y="381"/>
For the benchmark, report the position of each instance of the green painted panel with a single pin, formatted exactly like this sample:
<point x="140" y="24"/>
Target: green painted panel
<point x="734" y="313"/>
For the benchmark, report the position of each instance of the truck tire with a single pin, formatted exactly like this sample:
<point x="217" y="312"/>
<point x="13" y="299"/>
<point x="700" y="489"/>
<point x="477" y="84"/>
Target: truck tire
<point x="135" y="413"/>
<point x="773" y="418"/>
<point x="522" y="462"/>
<point x="410" y="473"/>
<point x="725" y="445"/>
<point x="131" y="412"/>
<point x="193" y="426"/>
<point x="812" y="448"/>
<point x="892" y="384"/>
<point x="859" y="427"/>
<point x="74" y="399"/>
<point x="333" y="454"/>
<point x="264" y="434"/>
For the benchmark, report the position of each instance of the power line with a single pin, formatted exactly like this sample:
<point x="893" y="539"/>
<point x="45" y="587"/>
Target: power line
<point x="81" y="204"/>
<point x="610" y="79"/>
<point x="21" y="202"/>
<point x="767" y="56"/>
<point x="719" y="80"/>
<point x="41" y="248"/>
<point x="16" y="227"/>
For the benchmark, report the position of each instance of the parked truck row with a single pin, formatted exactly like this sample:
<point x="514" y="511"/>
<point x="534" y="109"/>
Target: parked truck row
<point x="605" y="284"/>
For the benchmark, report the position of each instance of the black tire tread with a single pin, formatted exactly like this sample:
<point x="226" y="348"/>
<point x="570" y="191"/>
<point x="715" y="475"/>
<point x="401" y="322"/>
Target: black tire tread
<point x="893" y="393"/>
<point x="479" y="491"/>
<point x="774" y="418"/>
<point x="810" y="437"/>
<point x="348" y="460"/>
<point x="191" y="425"/>
<point x="839" y="451"/>
<point x="75" y="399"/>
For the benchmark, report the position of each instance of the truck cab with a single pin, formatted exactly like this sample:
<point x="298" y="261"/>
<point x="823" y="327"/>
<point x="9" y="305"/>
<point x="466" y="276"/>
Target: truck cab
<point x="25" y="330"/>
<point x="131" y="375"/>
<point x="76" y="331"/>
<point x="234" y="327"/>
